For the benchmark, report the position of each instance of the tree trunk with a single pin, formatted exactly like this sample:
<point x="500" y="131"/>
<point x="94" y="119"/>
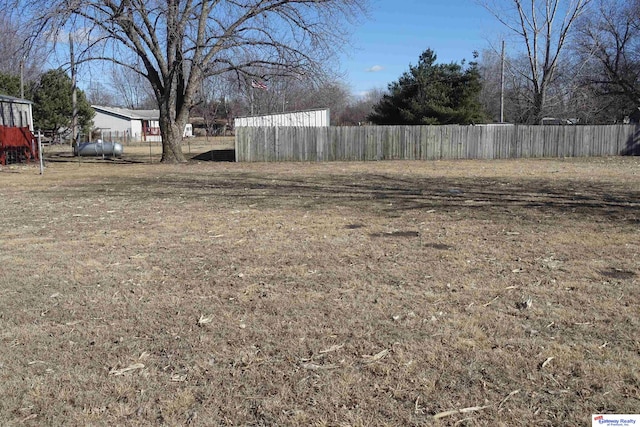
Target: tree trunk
<point x="539" y="100"/>
<point x="171" y="132"/>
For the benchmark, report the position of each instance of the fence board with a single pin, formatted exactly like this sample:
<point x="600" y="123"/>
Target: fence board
<point x="260" y="144"/>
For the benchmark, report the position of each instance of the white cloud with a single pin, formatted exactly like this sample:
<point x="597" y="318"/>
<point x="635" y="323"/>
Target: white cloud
<point x="80" y="35"/>
<point x="375" y="69"/>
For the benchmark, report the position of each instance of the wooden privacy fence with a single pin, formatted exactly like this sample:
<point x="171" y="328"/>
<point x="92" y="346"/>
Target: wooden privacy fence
<point x="272" y="144"/>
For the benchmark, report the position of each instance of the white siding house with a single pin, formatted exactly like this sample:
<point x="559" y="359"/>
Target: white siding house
<point x="132" y="125"/>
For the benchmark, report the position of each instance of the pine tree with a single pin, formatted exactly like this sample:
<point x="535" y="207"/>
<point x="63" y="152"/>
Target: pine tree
<point x="53" y="108"/>
<point x="9" y="85"/>
<point x="431" y="94"/>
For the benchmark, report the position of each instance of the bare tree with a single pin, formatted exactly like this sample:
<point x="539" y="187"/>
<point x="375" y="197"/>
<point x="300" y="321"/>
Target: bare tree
<point x="490" y="69"/>
<point x="132" y="90"/>
<point x="542" y="28"/>
<point x="98" y="94"/>
<point x="294" y="93"/>
<point x="212" y="104"/>
<point x="358" y="109"/>
<point x="180" y="42"/>
<point x="16" y="56"/>
<point x="609" y="38"/>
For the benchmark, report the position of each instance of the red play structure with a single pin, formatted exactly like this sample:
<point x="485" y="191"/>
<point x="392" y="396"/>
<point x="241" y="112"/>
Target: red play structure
<point x="17" y="145"/>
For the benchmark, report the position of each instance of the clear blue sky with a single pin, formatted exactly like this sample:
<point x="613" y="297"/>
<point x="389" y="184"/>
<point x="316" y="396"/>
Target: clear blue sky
<point x="399" y="31"/>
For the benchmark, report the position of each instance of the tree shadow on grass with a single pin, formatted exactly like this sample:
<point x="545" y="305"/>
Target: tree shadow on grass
<point x="71" y="158"/>
<point x="228" y="155"/>
<point x="615" y="273"/>
<point x="391" y="195"/>
<point x="633" y="144"/>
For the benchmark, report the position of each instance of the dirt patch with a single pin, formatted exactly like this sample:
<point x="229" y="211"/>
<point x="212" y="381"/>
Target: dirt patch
<point x="319" y="294"/>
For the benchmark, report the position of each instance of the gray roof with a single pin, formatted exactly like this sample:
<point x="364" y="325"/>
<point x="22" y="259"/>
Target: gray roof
<point x="129" y="114"/>
<point x="7" y="98"/>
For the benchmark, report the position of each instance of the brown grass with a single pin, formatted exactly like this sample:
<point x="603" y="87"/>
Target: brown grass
<point x="346" y="294"/>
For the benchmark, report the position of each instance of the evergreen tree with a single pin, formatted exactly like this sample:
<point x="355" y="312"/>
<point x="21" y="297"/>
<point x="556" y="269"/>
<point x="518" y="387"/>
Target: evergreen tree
<point x="431" y="94"/>
<point x="9" y="85"/>
<point x="53" y="107"/>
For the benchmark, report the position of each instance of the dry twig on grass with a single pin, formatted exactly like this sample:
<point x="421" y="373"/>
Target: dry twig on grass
<point x="129" y="368"/>
<point x="546" y="362"/>
<point x="375" y="357"/>
<point x="333" y="348"/>
<point x="316" y="367"/>
<point x="458" y="411"/>
<point x="177" y="378"/>
<point x="203" y="320"/>
<point x="490" y="302"/>
<point x="513" y="393"/>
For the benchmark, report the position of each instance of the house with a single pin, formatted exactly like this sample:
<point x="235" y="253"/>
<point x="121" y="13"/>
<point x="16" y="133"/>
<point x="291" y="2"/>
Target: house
<point x="128" y="125"/>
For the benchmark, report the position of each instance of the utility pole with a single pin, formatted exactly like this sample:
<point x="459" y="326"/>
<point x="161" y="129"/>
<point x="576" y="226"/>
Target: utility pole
<point x="502" y="84"/>
<point x="252" y="100"/>
<point x="74" y="100"/>
<point x="22" y="76"/>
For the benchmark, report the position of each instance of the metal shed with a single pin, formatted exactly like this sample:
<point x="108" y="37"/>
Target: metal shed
<point x="16" y="112"/>
<point x="17" y="143"/>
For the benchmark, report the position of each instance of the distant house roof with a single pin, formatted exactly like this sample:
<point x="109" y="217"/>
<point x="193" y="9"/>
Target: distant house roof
<point x="126" y="113"/>
<point x="7" y="98"/>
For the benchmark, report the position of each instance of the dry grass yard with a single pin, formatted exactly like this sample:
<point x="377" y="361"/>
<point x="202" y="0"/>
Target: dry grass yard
<point x="464" y="293"/>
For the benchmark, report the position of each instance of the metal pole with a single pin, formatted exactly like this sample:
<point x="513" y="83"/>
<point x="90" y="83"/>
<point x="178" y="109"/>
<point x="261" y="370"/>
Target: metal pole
<point x="40" y="153"/>
<point x="74" y="100"/>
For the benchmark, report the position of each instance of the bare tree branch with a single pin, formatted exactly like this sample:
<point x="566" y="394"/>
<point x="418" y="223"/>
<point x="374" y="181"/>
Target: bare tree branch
<point x="535" y="24"/>
<point x="178" y="43"/>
